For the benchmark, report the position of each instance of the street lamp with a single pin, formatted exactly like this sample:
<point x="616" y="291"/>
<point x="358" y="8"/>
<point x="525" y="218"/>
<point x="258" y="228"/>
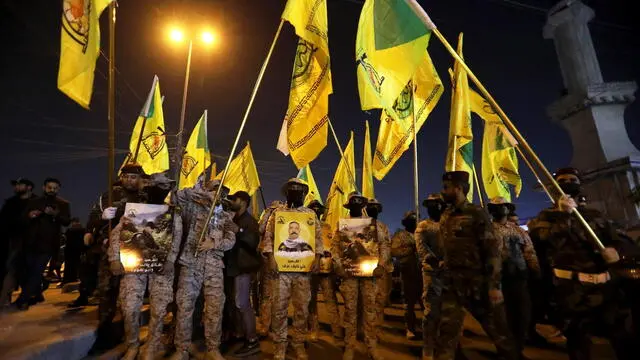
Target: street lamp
<point x="177" y="35"/>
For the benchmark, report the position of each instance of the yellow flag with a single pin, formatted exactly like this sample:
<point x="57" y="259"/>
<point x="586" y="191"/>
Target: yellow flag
<point x="151" y="148"/>
<point x="460" y="149"/>
<point x="79" y="48"/>
<point x="418" y="99"/>
<point x="255" y="208"/>
<point x="367" y="172"/>
<point x="306" y="175"/>
<point x="341" y="186"/>
<point x="196" y="158"/>
<point x="499" y="159"/>
<point x="242" y="174"/>
<point x="304" y="130"/>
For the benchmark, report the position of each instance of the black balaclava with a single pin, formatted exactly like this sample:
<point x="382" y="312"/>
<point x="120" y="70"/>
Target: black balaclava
<point x="571" y="188"/>
<point x="373" y="210"/>
<point x="355" y="209"/>
<point x="435" y="209"/>
<point x="410" y="223"/>
<point x="295" y="196"/>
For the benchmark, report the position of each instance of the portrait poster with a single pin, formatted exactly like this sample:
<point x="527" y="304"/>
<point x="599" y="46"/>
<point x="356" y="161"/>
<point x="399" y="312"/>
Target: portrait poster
<point x="294" y="240"/>
<point x="360" y="247"/>
<point x="145" y="238"/>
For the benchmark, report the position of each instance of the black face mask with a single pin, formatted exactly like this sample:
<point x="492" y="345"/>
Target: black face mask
<point x="571" y="189"/>
<point x="410" y="224"/>
<point x="355" y="210"/>
<point x="435" y="211"/>
<point x="373" y="212"/>
<point x="318" y="212"/>
<point x="295" y="198"/>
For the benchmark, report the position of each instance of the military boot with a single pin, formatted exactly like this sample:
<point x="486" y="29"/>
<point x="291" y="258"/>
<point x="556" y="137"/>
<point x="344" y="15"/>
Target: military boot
<point x="279" y="351"/>
<point x="132" y="352"/>
<point x="213" y="355"/>
<point x="312" y="336"/>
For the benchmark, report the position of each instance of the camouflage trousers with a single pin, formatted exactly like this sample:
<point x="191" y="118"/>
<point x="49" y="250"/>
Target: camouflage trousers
<point x="294" y="287"/>
<point x="352" y="289"/>
<point x="267" y="279"/>
<point x="432" y="301"/>
<point x="207" y="272"/>
<point x="382" y="298"/>
<point x="470" y="292"/>
<point x="132" y="290"/>
<point x="326" y="283"/>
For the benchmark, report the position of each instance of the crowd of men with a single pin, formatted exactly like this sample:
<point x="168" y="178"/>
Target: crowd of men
<point x="461" y="257"/>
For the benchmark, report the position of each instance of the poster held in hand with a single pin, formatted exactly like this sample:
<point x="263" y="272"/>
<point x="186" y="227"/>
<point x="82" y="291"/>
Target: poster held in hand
<point x="359" y="246"/>
<point x="294" y="240"/>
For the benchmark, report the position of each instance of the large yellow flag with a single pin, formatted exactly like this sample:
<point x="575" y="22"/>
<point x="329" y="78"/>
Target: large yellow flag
<point x="196" y="158"/>
<point x="460" y="150"/>
<point x="243" y="173"/>
<point x="367" y="172"/>
<point x="304" y="129"/>
<point x="306" y="175"/>
<point x="418" y="98"/>
<point x="499" y="159"/>
<point x="341" y="186"/>
<point x="390" y="45"/>
<point x="79" y="48"/>
<point x="150" y="148"/>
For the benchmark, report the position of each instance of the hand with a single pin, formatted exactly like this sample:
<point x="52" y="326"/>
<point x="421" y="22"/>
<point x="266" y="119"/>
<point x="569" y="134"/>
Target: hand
<point x="34" y="213"/>
<point x="610" y="255"/>
<point x="495" y="296"/>
<point x="168" y="268"/>
<point x="51" y="211"/>
<point x="315" y="265"/>
<point x="206" y="245"/>
<point x="378" y="271"/>
<point x="109" y="213"/>
<point x="88" y="239"/>
<point x="566" y="204"/>
<point x="116" y="268"/>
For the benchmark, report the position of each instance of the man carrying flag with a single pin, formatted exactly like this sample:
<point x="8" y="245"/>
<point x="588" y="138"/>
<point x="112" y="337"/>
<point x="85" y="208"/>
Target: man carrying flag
<point x="305" y="127"/>
<point x="196" y="158"/>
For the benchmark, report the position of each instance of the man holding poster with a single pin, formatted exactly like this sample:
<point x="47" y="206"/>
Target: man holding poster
<point x="292" y="246"/>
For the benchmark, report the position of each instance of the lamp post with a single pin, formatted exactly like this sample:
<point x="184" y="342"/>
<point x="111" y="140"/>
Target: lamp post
<point x="177" y="35"/>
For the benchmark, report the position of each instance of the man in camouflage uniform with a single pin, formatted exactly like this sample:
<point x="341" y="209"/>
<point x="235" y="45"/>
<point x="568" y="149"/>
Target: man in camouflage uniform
<point x="403" y="248"/>
<point x="324" y="280"/>
<point x="586" y="296"/>
<point x="430" y="256"/>
<point x="292" y="287"/>
<point x="202" y="265"/>
<point x="472" y="259"/>
<point x="519" y="260"/>
<point x="266" y="277"/>
<point x="374" y="208"/>
<point x="353" y="288"/>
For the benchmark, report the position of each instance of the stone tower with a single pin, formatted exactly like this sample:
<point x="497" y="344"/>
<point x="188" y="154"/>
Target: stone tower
<point x="592" y="111"/>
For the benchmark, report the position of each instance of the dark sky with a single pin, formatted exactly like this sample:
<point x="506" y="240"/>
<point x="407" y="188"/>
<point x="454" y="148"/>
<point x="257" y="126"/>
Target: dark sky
<point x="46" y="134"/>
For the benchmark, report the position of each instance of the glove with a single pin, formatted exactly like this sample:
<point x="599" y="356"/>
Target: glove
<point x="168" y="268"/>
<point x="610" y="255"/>
<point x="495" y="296"/>
<point x="378" y="271"/>
<point x="88" y="239"/>
<point x="567" y="204"/>
<point x="116" y="268"/>
<point x="109" y="213"/>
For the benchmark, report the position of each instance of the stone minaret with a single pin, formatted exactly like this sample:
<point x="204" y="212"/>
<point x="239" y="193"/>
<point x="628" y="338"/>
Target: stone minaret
<point x="592" y="111"/>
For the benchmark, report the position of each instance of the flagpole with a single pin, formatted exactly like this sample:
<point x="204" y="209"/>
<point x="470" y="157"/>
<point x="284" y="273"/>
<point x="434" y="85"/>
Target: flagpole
<point x="179" y="150"/>
<point x="335" y="138"/>
<point x="416" y="193"/>
<point x="244" y="122"/>
<point x="264" y="203"/>
<point x="475" y="178"/>
<point x="427" y="21"/>
<point x="111" y="109"/>
<point x="546" y="191"/>
<point x="454" y="154"/>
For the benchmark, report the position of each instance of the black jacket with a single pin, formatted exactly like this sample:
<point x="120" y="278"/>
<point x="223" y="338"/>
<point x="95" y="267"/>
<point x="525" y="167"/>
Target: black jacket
<point x="243" y="257"/>
<point x="12" y="222"/>
<point x="43" y="231"/>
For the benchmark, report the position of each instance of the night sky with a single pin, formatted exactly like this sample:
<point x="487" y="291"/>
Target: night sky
<point x="44" y="133"/>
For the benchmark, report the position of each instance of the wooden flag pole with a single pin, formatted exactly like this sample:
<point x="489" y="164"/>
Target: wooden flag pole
<point x="335" y="138"/>
<point x="416" y="192"/>
<point x="242" y="125"/>
<point x="475" y="178"/>
<point x="111" y="109"/>
<point x="427" y="21"/>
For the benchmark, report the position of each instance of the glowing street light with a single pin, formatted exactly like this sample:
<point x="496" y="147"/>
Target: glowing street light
<point x="208" y="37"/>
<point x="176" y="35"/>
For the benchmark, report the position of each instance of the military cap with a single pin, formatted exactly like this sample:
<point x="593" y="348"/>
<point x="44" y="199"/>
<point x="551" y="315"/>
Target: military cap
<point x="433" y="198"/>
<point x="567" y="171"/>
<point x="408" y="214"/>
<point x="456" y="176"/>
<point x="375" y="203"/>
<point x="294" y="181"/>
<point x="315" y="204"/>
<point x="355" y="195"/>
<point x="132" y="168"/>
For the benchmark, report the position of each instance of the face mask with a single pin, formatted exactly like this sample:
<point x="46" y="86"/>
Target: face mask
<point x="372" y="212"/>
<point x="571" y="189"/>
<point x="295" y="198"/>
<point x="355" y="210"/>
<point x="434" y="211"/>
<point x="410" y="225"/>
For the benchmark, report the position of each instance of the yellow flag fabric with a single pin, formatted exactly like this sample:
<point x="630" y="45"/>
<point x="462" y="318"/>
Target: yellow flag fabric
<point x="341" y="187"/>
<point x="243" y="173"/>
<point x="306" y="175"/>
<point x="255" y="208"/>
<point x="196" y="158"/>
<point x="390" y="45"/>
<point x="367" y="171"/>
<point x="305" y="127"/>
<point x="79" y="48"/>
<point x="499" y="160"/>
<point x="418" y="98"/>
<point x="152" y="151"/>
<point x="460" y="150"/>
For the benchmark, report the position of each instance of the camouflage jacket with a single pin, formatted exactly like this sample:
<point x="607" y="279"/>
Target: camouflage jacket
<point x="264" y="219"/>
<point x="193" y="207"/>
<point x="403" y="246"/>
<point x="381" y="248"/>
<point x="568" y="245"/>
<point x="517" y="248"/>
<point x="470" y="246"/>
<point x="427" y="245"/>
<point x="268" y="239"/>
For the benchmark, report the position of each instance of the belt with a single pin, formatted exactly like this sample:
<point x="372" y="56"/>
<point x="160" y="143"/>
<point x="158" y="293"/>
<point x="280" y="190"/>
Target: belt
<point x="582" y="277"/>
